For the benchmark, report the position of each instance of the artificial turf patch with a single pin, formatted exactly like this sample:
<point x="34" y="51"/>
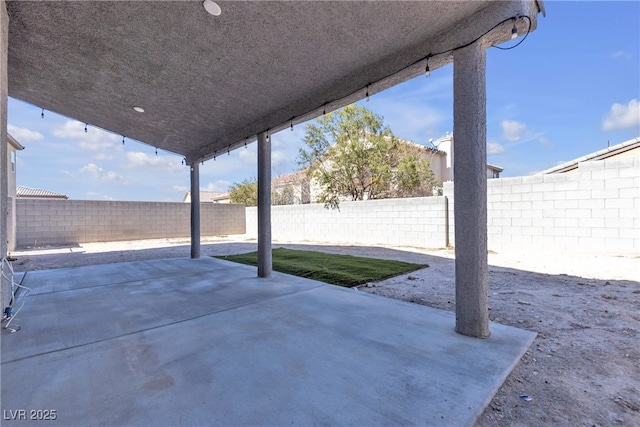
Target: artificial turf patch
<point x="342" y="270"/>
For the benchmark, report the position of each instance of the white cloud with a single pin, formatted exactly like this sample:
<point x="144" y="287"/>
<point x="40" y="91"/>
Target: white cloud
<point x="99" y="174"/>
<point x="248" y="157"/>
<point x="512" y="130"/>
<point x="103" y="156"/>
<point x="279" y="158"/>
<point x="622" y="54"/>
<point x="495" y="148"/>
<point x="136" y="159"/>
<point x="94" y="196"/>
<point x="221" y="186"/>
<point x="92" y="139"/>
<point x="415" y="121"/>
<point x="23" y="134"/>
<point x="546" y="142"/>
<point x="622" y="116"/>
<point x="180" y="188"/>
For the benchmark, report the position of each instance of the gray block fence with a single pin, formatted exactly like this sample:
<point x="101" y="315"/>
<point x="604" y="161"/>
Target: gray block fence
<point x="42" y="222"/>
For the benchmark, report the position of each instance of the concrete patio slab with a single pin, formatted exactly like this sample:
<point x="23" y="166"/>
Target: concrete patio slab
<point x="204" y="342"/>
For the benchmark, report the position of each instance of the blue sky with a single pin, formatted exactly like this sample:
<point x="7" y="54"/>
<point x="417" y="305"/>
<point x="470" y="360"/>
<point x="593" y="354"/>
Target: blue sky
<point x="570" y="87"/>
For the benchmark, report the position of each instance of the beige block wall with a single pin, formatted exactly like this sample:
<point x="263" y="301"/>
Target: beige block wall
<point x="419" y="221"/>
<point x="596" y="210"/>
<point x="593" y="210"/>
<point x="46" y="222"/>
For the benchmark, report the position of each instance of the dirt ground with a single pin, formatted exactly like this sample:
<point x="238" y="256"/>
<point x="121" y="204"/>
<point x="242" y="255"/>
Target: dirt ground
<point x="583" y="369"/>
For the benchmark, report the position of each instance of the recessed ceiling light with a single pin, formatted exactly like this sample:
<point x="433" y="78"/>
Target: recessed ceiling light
<point x="212" y="7"/>
<point x="139" y="109"/>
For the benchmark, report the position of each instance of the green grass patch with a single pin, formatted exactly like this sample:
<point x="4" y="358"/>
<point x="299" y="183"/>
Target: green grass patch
<point x="342" y="270"/>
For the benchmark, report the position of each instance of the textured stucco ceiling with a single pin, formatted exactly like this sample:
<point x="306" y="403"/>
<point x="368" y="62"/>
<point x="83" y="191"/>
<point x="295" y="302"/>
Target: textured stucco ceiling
<point x="209" y="83"/>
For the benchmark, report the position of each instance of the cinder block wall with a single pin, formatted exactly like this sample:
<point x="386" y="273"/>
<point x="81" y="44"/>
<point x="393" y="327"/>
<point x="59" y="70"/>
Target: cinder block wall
<point x="79" y="221"/>
<point x="417" y="222"/>
<point x="594" y="209"/>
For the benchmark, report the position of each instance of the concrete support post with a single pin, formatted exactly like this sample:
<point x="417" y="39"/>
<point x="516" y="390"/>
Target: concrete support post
<point x="195" y="210"/>
<point x="264" y="206"/>
<point x="470" y="190"/>
<point x="4" y="190"/>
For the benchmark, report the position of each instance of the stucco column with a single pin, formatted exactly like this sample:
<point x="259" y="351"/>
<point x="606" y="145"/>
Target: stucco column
<point x="4" y="48"/>
<point x="264" y="206"/>
<point x="195" y="210"/>
<point x="470" y="190"/>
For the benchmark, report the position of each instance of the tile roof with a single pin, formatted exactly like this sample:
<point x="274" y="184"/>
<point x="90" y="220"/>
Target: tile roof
<point x="206" y="196"/>
<point x="23" y="192"/>
<point x="598" y="155"/>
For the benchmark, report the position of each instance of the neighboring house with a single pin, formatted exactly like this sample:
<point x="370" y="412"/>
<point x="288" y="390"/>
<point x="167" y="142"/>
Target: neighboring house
<point x="493" y="171"/>
<point x="627" y="149"/>
<point x="12" y="147"/>
<point x="445" y="173"/>
<point x="209" y="196"/>
<point x="297" y="187"/>
<point x="291" y="189"/>
<point x="23" y="192"/>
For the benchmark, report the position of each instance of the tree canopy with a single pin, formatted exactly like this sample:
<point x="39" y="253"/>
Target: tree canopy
<point x="352" y="155"/>
<point x="245" y="193"/>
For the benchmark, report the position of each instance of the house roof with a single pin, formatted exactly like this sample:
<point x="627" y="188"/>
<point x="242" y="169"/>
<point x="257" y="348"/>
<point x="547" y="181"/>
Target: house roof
<point x="209" y="84"/>
<point x="598" y="155"/>
<point x="290" y="178"/>
<point x="495" y="168"/>
<point x="207" y="196"/>
<point x="23" y="192"/>
<point x="433" y="150"/>
<point x="14" y="143"/>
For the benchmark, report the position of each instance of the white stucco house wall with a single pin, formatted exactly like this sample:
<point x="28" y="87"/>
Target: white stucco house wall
<point x="208" y="196"/>
<point x="13" y="147"/>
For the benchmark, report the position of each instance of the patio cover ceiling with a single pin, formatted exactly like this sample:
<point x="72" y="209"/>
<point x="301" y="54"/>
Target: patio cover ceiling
<point x="209" y="84"/>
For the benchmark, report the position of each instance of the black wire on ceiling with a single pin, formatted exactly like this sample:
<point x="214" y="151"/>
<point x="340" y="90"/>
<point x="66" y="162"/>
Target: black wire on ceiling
<point x="522" y="39"/>
<point x="431" y="55"/>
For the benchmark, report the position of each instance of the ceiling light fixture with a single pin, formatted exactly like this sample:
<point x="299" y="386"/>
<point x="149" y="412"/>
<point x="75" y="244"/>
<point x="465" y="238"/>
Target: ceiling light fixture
<point x="514" y="30"/>
<point x="138" y="109"/>
<point x="212" y="7"/>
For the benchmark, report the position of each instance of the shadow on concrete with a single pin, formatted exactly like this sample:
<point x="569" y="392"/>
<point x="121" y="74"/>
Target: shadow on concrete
<point x="59" y="257"/>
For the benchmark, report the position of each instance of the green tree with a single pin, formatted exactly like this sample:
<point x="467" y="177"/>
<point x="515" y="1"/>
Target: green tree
<point x="351" y="154"/>
<point x="413" y="176"/>
<point x="245" y="193"/>
<point x="282" y="196"/>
